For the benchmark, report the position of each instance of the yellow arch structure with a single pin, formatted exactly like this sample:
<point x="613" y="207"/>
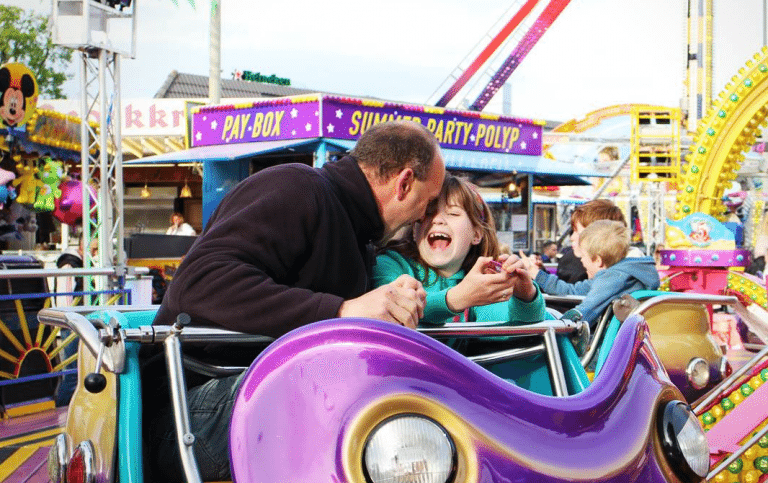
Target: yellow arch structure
<point x="728" y="130"/>
<point x="723" y="136"/>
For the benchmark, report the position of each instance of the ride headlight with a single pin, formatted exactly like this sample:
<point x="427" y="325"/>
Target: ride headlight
<point x="698" y="372"/>
<point x="407" y="448"/>
<point x="684" y="442"/>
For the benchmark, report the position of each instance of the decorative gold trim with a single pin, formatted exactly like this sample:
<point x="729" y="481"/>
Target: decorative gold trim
<point x="461" y="433"/>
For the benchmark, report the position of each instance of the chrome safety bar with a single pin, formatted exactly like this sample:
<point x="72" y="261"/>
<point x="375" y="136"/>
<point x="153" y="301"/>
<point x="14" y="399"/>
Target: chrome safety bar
<point x="737" y="454"/>
<point x="501" y="356"/>
<point x="555" y="364"/>
<point x="602" y="326"/>
<point x="107" y="335"/>
<point x="683" y="297"/>
<point x="491" y="329"/>
<point x="114" y="337"/>
<point x="69" y="272"/>
<point x="184" y="436"/>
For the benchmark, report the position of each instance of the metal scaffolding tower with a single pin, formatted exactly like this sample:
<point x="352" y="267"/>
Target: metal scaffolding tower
<point x="698" y="94"/>
<point x="102" y="33"/>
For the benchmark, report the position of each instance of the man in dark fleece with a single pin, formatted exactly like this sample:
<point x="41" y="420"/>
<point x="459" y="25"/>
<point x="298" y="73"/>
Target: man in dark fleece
<point x="289" y="246"/>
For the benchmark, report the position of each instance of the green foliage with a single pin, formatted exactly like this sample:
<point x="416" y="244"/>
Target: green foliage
<point x="25" y="38"/>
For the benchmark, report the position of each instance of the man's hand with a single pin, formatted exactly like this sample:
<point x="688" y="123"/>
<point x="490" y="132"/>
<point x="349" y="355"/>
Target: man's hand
<point x="400" y="302"/>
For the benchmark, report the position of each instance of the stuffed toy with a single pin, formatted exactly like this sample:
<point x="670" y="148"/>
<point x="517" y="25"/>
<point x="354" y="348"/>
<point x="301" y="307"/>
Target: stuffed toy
<point x="7" y="193"/>
<point x="18" y="94"/>
<point x="27" y="183"/>
<point x="50" y="177"/>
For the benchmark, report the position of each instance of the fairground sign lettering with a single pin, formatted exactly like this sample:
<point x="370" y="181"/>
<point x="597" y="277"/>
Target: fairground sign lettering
<point x="247" y="75"/>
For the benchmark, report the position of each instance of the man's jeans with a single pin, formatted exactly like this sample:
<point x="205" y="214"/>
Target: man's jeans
<point x="210" y="410"/>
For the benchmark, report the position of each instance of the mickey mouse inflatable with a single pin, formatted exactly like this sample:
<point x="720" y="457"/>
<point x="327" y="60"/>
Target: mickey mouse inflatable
<point x="18" y="95"/>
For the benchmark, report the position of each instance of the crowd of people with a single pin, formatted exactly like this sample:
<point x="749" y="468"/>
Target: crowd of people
<point x="383" y="233"/>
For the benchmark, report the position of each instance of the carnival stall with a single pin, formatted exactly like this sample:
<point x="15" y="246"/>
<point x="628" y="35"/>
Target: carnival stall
<point x="233" y="141"/>
<point x="38" y="148"/>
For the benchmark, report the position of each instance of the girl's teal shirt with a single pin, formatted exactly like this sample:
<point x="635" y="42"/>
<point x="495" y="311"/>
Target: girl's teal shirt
<point x="531" y="372"/>
<point x="391" y="264"/>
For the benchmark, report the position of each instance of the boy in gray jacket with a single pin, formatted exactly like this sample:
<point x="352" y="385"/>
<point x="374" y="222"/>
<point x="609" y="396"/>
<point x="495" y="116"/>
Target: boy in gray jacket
<point x="604" y="246"/>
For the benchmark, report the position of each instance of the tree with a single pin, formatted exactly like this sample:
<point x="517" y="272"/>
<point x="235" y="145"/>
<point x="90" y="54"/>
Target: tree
<point x="25" y="38"/>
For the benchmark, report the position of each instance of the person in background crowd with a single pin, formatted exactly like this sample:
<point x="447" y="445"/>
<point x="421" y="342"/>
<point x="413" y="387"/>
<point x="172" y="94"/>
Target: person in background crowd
<point x="569" y="267"/>
<point x="286" y="247"/>
<point x="72" y="258"/>
<point x="549" y="252"/>
<point x="178" y="227"/>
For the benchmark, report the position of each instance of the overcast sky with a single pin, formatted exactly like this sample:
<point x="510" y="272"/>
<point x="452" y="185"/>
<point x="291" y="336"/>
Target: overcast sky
<point x="598" y="52"/>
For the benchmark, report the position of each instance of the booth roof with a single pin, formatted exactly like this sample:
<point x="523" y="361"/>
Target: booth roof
<point x="180" y="85"/>
<point x="546" y="172"/>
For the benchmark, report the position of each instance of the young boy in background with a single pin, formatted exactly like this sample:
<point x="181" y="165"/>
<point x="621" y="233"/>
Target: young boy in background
<point x="603" y="248"/>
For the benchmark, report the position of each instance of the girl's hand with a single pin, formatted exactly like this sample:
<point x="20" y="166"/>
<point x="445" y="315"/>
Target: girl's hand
<point x="528" y="263"/>
<point x="481" y="286"/>
<point x="523" y="286"/>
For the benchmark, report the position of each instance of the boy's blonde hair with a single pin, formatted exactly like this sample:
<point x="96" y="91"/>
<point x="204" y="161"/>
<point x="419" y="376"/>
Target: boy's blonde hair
<point x="607" y="239"/>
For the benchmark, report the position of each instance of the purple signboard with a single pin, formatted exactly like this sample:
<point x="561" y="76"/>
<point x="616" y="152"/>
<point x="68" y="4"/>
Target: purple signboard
<point x="276" y="119"/>
<point x="346" y="118"/>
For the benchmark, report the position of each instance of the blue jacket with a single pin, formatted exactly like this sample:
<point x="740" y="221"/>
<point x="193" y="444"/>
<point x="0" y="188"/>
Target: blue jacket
<point x="626" y="276"/>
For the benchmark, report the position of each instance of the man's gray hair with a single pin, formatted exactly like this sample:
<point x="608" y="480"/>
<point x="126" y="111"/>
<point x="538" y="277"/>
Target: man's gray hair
<point x="389" y="147"/>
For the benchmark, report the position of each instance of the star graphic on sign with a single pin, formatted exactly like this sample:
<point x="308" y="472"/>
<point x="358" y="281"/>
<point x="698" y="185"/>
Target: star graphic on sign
<point x="472" y="138"/>
<point x="293" y="133"/>
<point x="308" y="126"/>
<point x="338" y="113"/>
<point x="330" y="127"/>
<point x="317" y="113"/>
<point x="523" y="145"/>
<point x="205" y="118"/>
<point x="535" y="135"/>
<point x="294" y="113"/>
<point x="214" y="124"/>
<point x="198" y="136"/>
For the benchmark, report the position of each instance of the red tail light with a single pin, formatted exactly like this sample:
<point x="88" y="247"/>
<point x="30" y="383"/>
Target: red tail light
<point x="80" y="468"/>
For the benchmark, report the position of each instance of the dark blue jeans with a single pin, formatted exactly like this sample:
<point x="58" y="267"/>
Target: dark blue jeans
<point x="210" y="409"/>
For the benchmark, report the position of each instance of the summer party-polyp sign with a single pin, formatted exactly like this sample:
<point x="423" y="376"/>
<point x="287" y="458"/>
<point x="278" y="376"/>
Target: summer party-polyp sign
<point x="304" y="117"/>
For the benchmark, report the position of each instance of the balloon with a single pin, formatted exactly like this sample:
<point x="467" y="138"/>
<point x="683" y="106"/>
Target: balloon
<point x="69" y="207"/>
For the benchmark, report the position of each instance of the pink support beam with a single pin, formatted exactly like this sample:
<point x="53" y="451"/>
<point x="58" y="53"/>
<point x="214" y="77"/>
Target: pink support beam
<point x="545" y="20"/>
<point x="486" y="53"/>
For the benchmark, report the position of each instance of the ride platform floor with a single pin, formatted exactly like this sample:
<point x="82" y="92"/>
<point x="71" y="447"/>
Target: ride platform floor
<point x="24" y="444"/>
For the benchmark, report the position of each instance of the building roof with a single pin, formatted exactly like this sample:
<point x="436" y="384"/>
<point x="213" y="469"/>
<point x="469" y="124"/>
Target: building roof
<point x="179" y="85"/>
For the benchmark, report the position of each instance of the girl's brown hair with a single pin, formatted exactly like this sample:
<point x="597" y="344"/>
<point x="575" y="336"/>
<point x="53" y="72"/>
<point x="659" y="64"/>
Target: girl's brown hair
<point x="462" y="192"/>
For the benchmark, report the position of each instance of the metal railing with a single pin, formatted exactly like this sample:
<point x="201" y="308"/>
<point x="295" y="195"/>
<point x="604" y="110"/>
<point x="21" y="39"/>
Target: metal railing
<point x="26" y="340"/>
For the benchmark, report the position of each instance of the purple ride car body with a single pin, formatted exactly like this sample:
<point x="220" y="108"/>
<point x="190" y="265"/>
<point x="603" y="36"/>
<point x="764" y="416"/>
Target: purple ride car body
<point x="310" y="402"/>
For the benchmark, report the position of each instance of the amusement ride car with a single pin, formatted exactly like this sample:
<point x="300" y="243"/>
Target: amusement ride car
<point x="360" y="400"/>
